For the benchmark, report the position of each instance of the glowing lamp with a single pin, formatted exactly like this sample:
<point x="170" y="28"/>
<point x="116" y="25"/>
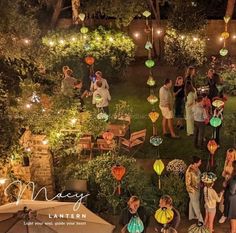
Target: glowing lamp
<point x="156" y="140"/>
<point x="84" y="30"/>
<point x="149" y="63"/>
<point x="225" y="35"/>
<point x="146" y="13"/>
<point x="148" y="45"/>
<point x="118" y="171"/>
<point x="135" y="225"/>
<point x="224" y="52"/>
<point x="158" y="167"/>
<point x="226" y="19"/>
<point x="198" y="228"/>
<point x="212" y="146"/>
<point x="151" y="82"/>
<point x="82" y="16"/>
<point x="215" y="122"/>
<point x="152" y="99"/>
<point x="153" y="116"/>
<point x="218" y="103"/>
<point x="89" y="60"/>
<point x="164" y="215"/>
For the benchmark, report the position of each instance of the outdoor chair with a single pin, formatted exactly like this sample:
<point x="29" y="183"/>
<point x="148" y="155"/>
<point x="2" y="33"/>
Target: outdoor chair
<point x="85" y="144"/>
<point x="104" y="146"/>
<point x="135" y="141"/>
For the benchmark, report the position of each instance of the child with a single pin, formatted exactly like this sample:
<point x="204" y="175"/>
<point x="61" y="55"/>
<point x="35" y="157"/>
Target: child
<point x="210" y="197"/>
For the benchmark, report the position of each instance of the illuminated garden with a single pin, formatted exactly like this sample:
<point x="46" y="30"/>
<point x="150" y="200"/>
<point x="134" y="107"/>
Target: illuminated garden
<point x="117" y="116"/>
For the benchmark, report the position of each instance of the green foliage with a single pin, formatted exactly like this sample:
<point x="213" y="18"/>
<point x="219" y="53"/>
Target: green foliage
<point x="229" y="77"/>
<point x="17" y="25"/>
<point x="187" y="16"/>
<point x="184" y="50"/>
<point x="175" y="187"/>
<point x="123" y="11"/>
<point x="122" y="109"/>
<point x="113" y="47"/>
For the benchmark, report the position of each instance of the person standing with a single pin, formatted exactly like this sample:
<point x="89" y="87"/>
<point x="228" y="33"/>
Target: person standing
<point x="68" y="84"/>
<point x="101" y="97"/>
<point x="179" y="101"/>
<point x="133" y="209"/>
<point x="166" y="106"/>
<point x="190" y="75"/>
<point x="211" y="84"/>
<point x="99" y="77"/>
<point x="166" y="202"/>
<point x="192" y="181"/>
<point x="199" y="116"/>
<point x="210" y="198"/>
<point x="190" y="97"/>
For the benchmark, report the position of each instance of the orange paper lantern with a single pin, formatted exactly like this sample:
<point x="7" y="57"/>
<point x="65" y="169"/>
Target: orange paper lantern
<point x="212" y="146"/>
<point x="118" y="171"/>
<point x="89" y="60"/>
<point x="108" y="136"/>
<point x="153" y="116"/>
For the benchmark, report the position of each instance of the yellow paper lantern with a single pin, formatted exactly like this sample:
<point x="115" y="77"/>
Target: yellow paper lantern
<point x="225" y="35"/>
<point x="158" y="167"/>
<point x="164" y="215"/>
<point x="153" y="116"/>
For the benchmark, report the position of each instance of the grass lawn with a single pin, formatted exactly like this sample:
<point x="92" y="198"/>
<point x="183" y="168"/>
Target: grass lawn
<point x="135" y="91"/>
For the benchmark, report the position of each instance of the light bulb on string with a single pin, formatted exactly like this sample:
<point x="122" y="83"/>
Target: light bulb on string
<point x="136" y="35"/>
<point x="26" y="41"/>
<point x="28" y="106"/>
<point x="195" y="39"/>
<point x="111" y="39"/>
<point x="73" y="39"/>
<point x="159" y="32"/>
<point x="51" y="43"/>
<point x="61" y="41"/>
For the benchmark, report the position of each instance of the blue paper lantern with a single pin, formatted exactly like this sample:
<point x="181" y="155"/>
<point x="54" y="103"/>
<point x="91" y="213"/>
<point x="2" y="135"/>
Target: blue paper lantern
<point x="135" y="225"/>
<point x="156" y="140"/>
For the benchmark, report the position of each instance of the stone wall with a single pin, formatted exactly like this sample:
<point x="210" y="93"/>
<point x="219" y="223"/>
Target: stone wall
<point x="214" y="29"/>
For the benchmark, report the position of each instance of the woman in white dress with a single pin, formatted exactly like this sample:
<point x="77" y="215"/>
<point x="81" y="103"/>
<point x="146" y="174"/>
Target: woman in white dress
<point x="190" y="97"/>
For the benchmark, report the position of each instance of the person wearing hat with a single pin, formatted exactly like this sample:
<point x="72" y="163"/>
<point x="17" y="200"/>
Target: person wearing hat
<point x="210" y="198"/>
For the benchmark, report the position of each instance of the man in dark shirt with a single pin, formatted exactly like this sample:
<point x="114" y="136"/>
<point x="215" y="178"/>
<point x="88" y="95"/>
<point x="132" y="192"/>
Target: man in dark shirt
<point x="166" y="202"/>
<point x="133" y="209"/>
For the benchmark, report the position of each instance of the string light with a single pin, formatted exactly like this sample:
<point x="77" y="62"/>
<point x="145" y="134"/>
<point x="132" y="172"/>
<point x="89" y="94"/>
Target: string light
<point x="208" y="39"/>
<point x="136" y="35"/>
<point x="159" y="31"/>
<point x="73" y="39"/>
<point x="85" y="37"/>
<point x="234" y="36"/>
<point x="221" y="38"/>
<point x="51" y="43"/>
<point x="61" y="41"/>
<point x="26" y="41"/>
<point x="3" y="181"/>
<point x="28" y="106"/>
<point x="73" y="121"/>
<point x="27" y="149"/>
<point x="45" y="142"/>
<point x="111" y="39"/>
<point x="195" y="39"/>
<point x="182" y="37"/>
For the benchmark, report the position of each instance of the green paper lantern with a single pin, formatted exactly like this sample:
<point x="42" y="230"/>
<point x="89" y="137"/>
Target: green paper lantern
<point x="215" y="122"/>
<point x="151" y="82"/>
<point x="102" y="116"/>
<point x="156" y="140"/>
<point x="84" y="30"/>
<point x="149" y="63"/>
<point x="146" y="13"/>
<point x="135" y="225"/>
<point x="224" y="52"/>
<point x="148" y="45"/>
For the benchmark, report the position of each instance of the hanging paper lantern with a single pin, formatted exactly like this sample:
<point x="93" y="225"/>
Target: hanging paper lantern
<point x="218" y="103"/>
<point x="152" y="99"/>
<point x="102" y="116"/>
<point x="198" y="228"/>
<point x="226" y="19"/>
<point x="208" y="177"/>
<point x="84" y="30"/>
<point x="149" y="63"/>
<point x="148" y="45"/>
<point x="215" y="122"/>
<point x="118" y="171"/>
<point x="153" y="116"/>
<point x="156" y="140"/>
<point x="158" y="167"/>
<point x="164" y="215"/>
<point x="82" y="16"/>
<point x="98" y="99"/>
<point x="151" y="82"/>
<point x="224" y="52"/>
<point x="89" y="60"/>
<point x="135" y="225"/>
<point x="225" y="35"/>
<point x="212" y="146"/>
<point x="146" y="13"/>
<point x="108" y="136"/>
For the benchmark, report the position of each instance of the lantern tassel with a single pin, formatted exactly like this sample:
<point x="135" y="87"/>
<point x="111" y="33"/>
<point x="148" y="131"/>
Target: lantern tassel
<point x="159" y="182"/>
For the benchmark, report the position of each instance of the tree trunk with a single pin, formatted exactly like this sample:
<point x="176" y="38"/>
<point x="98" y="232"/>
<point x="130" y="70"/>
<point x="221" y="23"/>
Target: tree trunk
<point x="75" y="11"/>
<point x="57" y="10"/>
<point x="230" y="8"/>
